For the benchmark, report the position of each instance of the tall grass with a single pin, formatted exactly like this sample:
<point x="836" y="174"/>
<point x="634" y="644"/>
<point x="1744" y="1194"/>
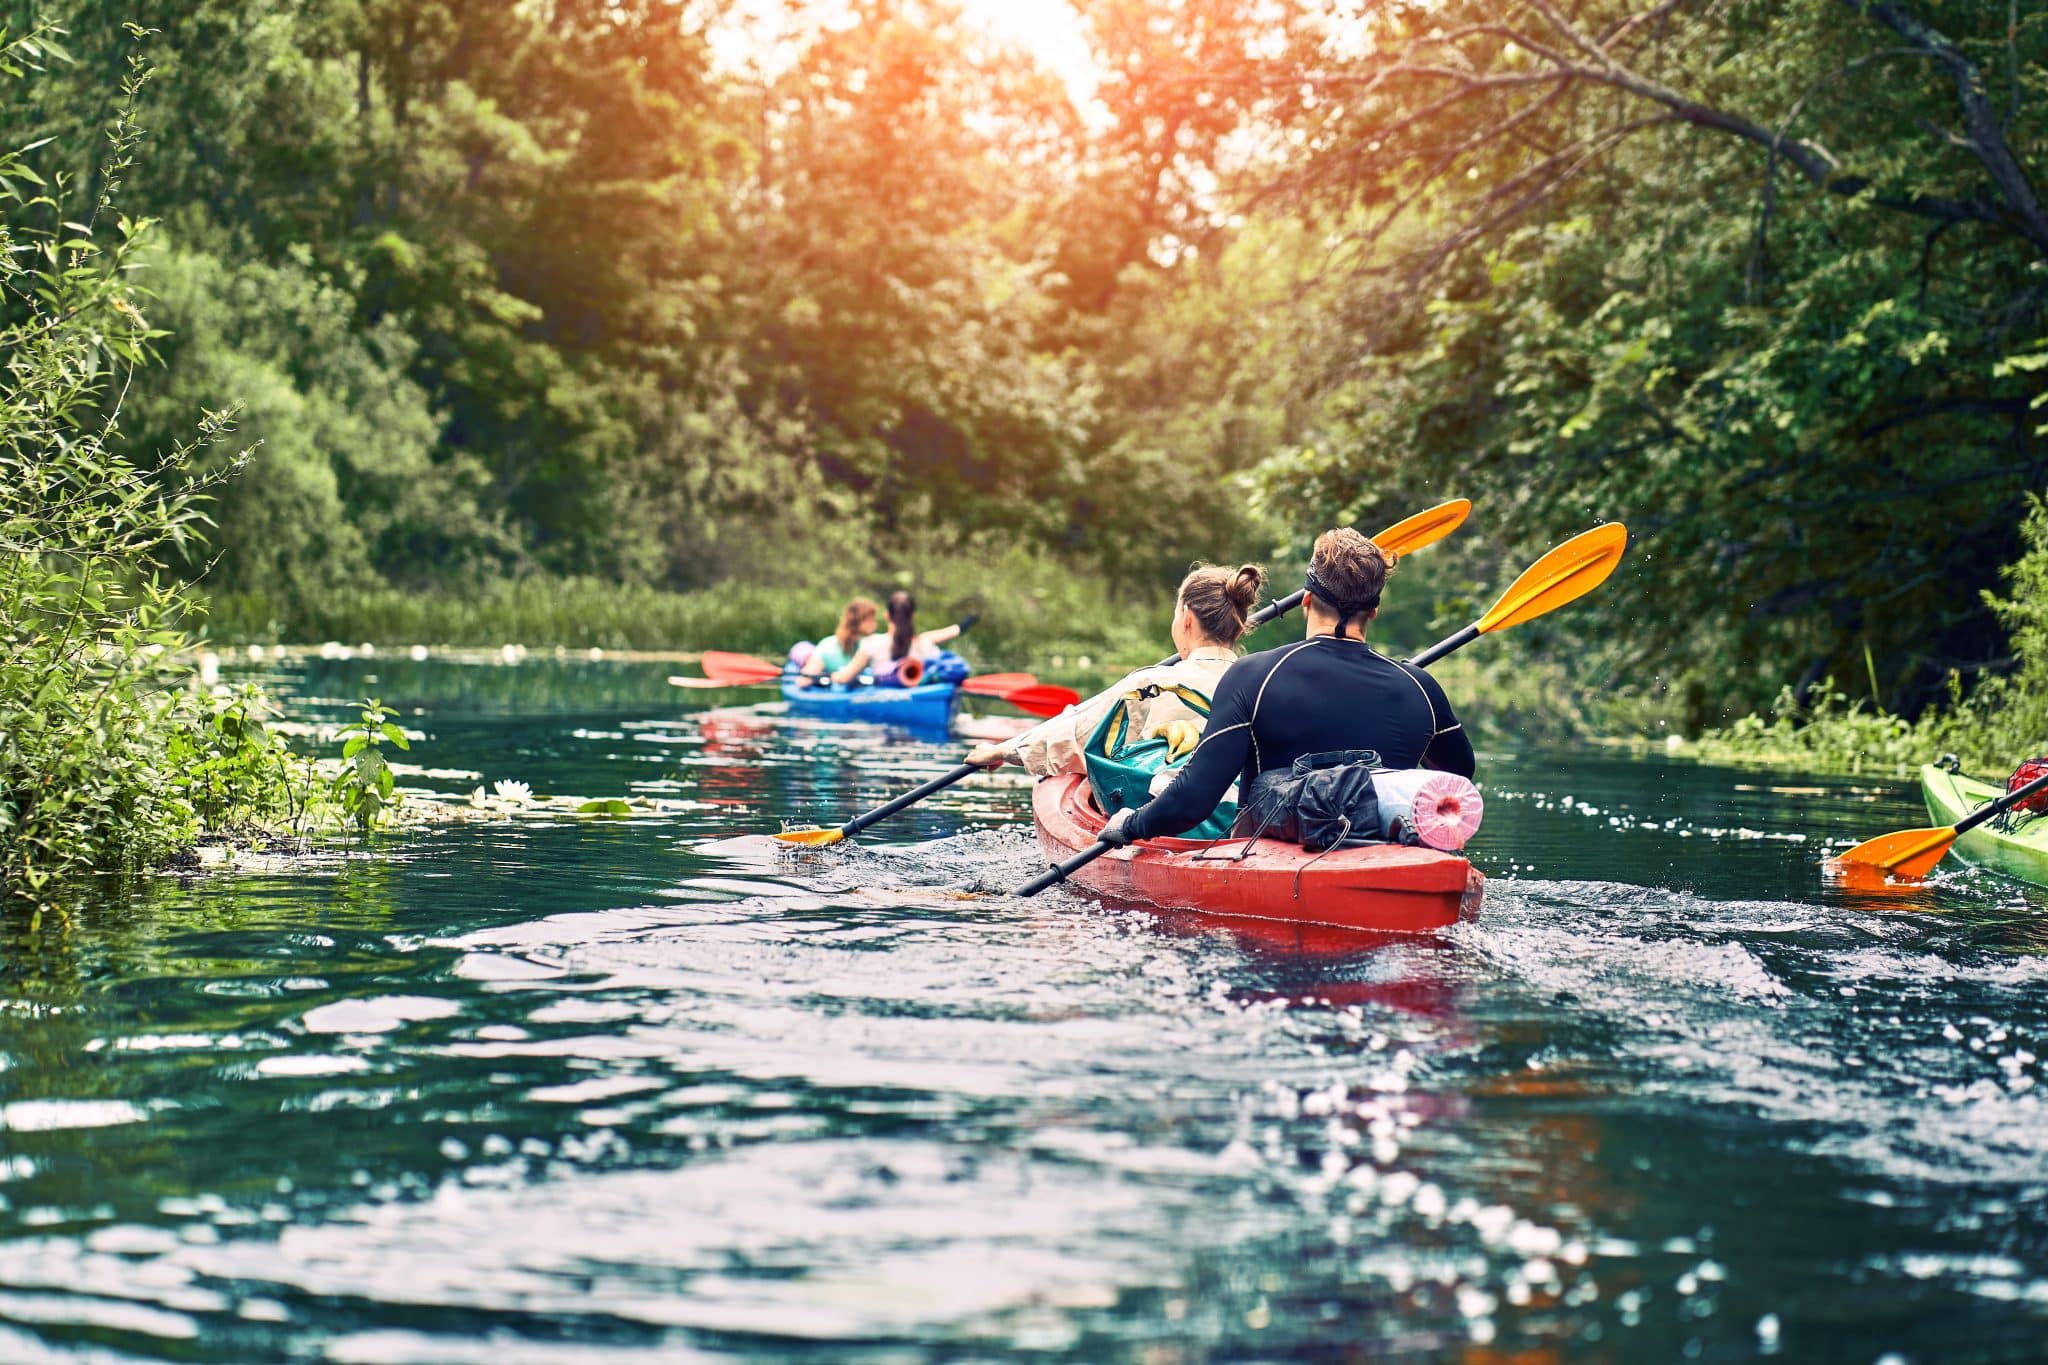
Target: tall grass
<point x="1032" y="608"/>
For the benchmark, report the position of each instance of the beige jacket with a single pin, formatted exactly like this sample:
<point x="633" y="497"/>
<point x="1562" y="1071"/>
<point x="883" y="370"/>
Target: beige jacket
<point x="1055" y="746"/>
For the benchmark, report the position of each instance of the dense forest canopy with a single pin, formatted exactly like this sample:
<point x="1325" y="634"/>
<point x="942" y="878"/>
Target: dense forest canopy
<point x="564" y="287"/>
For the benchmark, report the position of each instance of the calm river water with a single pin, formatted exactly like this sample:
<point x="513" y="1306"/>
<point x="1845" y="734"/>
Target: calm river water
<point x="577" y="1091"/>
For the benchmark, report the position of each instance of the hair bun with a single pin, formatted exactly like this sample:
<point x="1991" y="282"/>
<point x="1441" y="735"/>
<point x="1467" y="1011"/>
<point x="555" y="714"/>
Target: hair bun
<point x="1244" y="586"/>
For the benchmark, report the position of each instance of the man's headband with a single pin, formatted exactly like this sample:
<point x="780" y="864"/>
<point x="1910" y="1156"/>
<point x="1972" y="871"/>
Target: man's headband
<point x="1345" y="609"/>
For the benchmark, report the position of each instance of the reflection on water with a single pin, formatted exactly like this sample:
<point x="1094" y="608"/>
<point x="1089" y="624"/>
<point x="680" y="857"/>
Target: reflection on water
<point x="653" y="1090"/>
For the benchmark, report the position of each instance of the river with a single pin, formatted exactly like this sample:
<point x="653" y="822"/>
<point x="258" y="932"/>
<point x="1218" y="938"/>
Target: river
<point x="554" y="1090"/>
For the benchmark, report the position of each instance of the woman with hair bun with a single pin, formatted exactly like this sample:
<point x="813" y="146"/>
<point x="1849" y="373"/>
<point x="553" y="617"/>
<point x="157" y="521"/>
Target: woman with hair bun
<point x="1209" y="616"/>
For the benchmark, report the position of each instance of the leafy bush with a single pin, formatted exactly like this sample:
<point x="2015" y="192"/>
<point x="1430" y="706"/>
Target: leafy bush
<point x="2006" y="719"/>
<point x="234" y="772"/>
<point x="104" y="762"/>
<point x="364" y="788"/>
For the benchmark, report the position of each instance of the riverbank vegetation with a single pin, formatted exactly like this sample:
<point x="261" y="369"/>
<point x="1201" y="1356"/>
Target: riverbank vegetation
<point x="111" y="759"/>
<point x="674" y="324"/>
<point x="1990" y="729"/>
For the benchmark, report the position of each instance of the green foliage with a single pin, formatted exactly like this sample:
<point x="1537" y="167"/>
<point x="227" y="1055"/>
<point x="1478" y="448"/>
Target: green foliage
<point x="108" y="761"/>
<point x="85" y="611"/>
<point x="1033" y="606"/>
<point x="365" y="786"/>
<point x="1991" y="730"/>
<point x="232" y="770"/>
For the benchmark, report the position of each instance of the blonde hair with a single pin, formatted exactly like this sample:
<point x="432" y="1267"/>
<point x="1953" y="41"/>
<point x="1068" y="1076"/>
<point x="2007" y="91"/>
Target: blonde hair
<point x="854" y="622"/>
<point x="1221" y="598"/>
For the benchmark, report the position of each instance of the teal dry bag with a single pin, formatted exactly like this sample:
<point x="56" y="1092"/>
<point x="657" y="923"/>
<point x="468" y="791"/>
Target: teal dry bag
<point x="1122" y="766"/>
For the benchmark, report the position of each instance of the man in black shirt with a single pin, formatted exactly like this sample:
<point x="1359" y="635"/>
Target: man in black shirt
<point x="1329" y="691"/>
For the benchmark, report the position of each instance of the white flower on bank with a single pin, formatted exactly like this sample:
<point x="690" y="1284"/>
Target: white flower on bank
<point x="516" y="792"/>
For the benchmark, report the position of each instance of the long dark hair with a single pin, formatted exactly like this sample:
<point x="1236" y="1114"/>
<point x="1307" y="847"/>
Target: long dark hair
<point x="902" y="607"/>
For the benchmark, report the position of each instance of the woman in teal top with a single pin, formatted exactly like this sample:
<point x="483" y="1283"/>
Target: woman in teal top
<point x="841" y="648"/>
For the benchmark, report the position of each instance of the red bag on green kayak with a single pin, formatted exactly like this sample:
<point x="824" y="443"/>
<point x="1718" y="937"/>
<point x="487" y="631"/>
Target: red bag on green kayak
<point x="2029" y="771"/>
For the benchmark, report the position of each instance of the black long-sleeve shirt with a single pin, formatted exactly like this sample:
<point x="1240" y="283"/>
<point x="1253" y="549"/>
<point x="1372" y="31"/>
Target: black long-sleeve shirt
<point x="1308" y="697"/>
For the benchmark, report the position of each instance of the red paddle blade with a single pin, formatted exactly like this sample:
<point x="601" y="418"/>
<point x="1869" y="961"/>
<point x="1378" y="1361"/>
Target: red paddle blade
<point x="1902" y="853"/>
<point x="738" y="667"/>
<point x="998" y="684"/>
<point x="1042" y="700"/>
<point x="720" y="684"/>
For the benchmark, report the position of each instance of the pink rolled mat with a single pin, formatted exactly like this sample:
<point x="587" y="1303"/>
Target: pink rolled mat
<point x="1442" y="808"/>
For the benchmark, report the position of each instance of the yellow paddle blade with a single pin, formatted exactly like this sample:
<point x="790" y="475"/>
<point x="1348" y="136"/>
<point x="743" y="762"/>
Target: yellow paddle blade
<point x="810" y="838"/>
<point x="1902" y="853"/>
<point x="1564" y="575"/>
<point x="1424" y="528"/>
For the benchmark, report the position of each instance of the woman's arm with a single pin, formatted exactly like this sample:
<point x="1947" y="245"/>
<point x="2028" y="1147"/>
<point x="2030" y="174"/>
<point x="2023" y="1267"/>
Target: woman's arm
<point x="1055" y="746"/>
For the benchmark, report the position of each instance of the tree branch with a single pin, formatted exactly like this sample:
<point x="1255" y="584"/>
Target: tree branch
<point x="1985" y="138"/>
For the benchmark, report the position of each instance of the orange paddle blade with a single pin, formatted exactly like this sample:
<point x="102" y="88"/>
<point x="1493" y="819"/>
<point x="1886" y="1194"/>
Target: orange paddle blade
<point x="1042" y="700"/>
<point x="1565" y="574"/>
<point x="996" y="684"/>
<point x="1902" y="853"/>
<point x="721" y="684"/>
<point x="1424" y="528"/>
<point x="810" y="838"/>
<point x="738" y="667"/>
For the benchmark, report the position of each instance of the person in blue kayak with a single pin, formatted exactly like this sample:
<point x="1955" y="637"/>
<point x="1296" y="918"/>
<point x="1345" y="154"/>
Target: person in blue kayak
<point x="833" y="653"/>
<point x="887" y="651"/>
<point x="1325" y="695"/>
<point x="1209" y="615"/>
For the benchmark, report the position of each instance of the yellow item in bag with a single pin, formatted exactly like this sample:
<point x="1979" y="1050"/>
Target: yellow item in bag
<point x="1181" y="736"/>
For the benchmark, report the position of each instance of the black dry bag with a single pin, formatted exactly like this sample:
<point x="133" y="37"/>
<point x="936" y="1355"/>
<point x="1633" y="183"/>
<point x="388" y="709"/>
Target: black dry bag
<point x="1324" y="801"/>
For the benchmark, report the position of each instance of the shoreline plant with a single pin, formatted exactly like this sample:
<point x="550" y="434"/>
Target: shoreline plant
<point x="111" y="759"/>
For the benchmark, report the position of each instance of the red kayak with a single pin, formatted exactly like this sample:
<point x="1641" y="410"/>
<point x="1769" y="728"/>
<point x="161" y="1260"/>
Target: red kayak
<point x="1383" y="888"/>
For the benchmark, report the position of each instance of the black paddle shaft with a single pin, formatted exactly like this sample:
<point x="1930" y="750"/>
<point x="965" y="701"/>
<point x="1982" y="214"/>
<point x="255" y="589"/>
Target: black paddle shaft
<point x="909" y="798"/>
<point x="2002" y="804"/>
<point x="1059" y="872"/>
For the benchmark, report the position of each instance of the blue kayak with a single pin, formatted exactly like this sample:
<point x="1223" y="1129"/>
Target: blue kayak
<point x="928" y="706"/>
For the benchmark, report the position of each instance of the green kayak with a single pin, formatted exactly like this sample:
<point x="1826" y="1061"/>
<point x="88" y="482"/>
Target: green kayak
<point x="2022" y="853"/>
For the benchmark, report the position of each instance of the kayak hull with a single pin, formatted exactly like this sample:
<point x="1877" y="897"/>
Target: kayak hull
<point x="1380" y="888"/>
<point x="927" y="707"/>
<point x="2021" y="854"/>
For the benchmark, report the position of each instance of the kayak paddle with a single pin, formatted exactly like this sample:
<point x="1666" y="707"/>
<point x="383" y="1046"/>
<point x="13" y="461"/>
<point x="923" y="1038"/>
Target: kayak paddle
<point x="1914" y="852"/>
<point x="1040" y="699"/>
<point x="995" y="684"/>
<point x="1564" y="575"/>
<point x="820" y="838"/>
<point x="743" y="668"/>
<point x="1404" y="537"/>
